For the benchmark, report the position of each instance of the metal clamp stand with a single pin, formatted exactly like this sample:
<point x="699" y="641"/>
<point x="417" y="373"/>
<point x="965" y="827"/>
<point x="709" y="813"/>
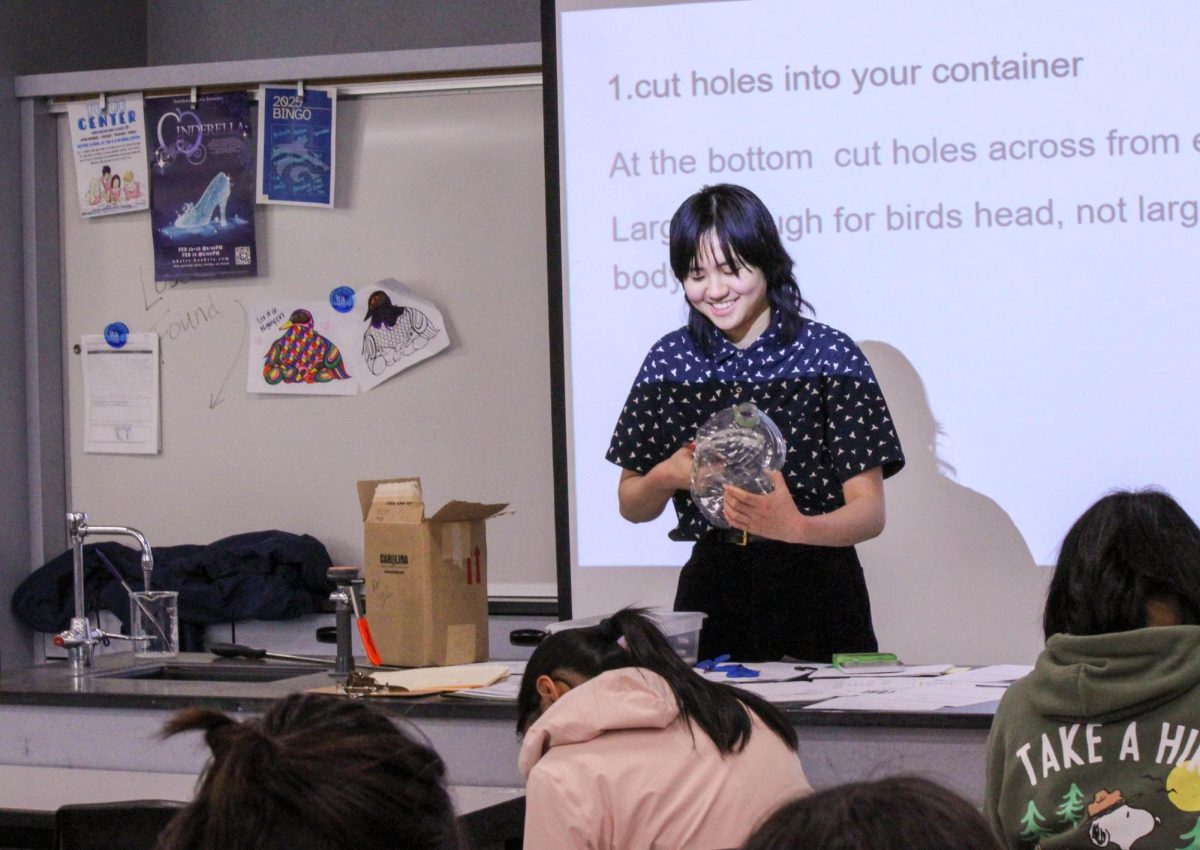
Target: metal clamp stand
<point x="344" y="578"/>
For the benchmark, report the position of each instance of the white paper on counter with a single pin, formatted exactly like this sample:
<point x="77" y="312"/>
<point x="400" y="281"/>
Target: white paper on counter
<point x="454" y="676"/>
<point x="907" y="672"/>
<point x="920" y="695"/>
<point x="993" y="674"/>
<point x="930" y="691"/>
<point x="876" y="702"/>
<point x="121" y="396"/>
<point x="823" y="689"/>
<point x="505" y="690"/>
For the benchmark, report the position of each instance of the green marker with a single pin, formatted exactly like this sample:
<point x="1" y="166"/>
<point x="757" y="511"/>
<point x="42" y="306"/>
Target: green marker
<point x="862" y="662"/>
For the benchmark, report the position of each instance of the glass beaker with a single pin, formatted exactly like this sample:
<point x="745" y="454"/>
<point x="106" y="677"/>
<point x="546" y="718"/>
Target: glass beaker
<point x="154" y="619"/>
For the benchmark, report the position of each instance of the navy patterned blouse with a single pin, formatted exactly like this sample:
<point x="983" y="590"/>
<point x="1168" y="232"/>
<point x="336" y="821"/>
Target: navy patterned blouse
<point x="819" y="389"/>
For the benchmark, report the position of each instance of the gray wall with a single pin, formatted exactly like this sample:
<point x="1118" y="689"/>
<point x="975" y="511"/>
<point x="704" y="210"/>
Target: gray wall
<point x="37" y="36"/>
<point x="47" y="36"/>
<point x="184" y="31"/>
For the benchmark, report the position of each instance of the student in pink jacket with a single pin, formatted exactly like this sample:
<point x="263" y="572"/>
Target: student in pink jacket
<point x="627" y="748"/>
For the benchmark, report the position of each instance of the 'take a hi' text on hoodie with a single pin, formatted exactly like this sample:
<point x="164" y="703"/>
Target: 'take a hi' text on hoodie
<point x="1095" y="747"/>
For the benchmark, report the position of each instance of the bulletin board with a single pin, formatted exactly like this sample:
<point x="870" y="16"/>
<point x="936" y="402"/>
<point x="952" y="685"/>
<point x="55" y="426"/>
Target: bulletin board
<point x="443" y="192"/>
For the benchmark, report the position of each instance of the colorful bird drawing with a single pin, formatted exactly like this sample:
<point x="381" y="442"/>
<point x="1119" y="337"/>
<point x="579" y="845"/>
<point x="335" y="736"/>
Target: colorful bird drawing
<point x="302" y="356"/>
<point x="394" y="332"/>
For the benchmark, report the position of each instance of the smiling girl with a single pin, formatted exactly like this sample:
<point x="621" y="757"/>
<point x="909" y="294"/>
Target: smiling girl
<point x="785" y="578"/>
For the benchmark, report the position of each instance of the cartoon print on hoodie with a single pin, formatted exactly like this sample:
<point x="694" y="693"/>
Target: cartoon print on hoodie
<point x="1099" y="747"/>
<point x="1112" y="821"/>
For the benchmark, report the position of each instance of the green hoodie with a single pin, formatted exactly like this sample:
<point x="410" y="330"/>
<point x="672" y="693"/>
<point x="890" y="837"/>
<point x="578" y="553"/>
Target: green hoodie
<point x="1094" y="748"/>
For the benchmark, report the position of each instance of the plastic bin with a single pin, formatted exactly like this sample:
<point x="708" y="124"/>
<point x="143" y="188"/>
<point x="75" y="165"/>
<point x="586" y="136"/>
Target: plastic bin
<point x="682" y="629"/>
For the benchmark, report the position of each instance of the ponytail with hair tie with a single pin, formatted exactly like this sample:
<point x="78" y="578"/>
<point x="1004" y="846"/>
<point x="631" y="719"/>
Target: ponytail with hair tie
<point x="631" y="638"/>
<point x="610" y="631"/>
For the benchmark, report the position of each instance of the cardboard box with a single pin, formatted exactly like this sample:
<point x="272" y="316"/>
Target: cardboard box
<point x="426" y="578"/>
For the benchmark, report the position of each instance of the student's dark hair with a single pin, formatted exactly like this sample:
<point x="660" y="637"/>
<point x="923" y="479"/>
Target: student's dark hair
<point x="747" y="234"/>
<point x="897" y="813"/>
<point x="630" y="638"/>
<point x="314" y="773"/>
<point x="1126" y="549"/>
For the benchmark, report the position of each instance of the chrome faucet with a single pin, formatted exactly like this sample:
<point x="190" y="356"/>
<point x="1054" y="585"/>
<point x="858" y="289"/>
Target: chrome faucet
<point x="80" y="638"/>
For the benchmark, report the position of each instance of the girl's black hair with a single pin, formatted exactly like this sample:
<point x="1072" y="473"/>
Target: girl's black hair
<point x="897" y="813"/>
<point x="1126" y="549"/>
<point x="629" y="638"/>
<point x="313" y="773"/>
<point x="747" y="235"/>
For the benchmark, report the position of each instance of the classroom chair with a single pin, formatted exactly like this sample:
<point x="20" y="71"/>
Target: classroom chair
<point x="127" y="825"/>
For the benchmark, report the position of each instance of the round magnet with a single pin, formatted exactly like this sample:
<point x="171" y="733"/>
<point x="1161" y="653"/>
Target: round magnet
<point x="342" y="299"/>
<point x="116" y="334"/>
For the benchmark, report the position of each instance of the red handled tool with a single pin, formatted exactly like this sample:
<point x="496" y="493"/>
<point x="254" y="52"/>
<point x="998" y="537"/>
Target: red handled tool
<point x="364" y="628"/>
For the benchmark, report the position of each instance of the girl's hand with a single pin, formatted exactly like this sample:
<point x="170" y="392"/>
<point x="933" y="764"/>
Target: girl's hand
<point x="773" y="515"/>
<point x="676" y="471"/>
<point x="642" y="498"/>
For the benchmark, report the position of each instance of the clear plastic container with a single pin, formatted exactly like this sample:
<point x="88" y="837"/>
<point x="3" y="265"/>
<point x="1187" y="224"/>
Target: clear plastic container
<point x="155" y="623"/>
<point x="738" y="445"/>
<point x="682" y="629"/>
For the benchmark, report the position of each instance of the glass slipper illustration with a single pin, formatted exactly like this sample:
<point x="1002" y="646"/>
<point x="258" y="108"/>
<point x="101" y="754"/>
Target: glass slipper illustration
<point x="199" y="214"/>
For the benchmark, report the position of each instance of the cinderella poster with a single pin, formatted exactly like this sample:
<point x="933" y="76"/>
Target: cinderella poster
<point x="202" y="175"/>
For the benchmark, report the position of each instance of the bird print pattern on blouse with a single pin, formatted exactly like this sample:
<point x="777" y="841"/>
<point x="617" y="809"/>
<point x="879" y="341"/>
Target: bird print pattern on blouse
<point x="819" y="389"/>
<point x="301" y="355"/>
<point x="394" y="332"/>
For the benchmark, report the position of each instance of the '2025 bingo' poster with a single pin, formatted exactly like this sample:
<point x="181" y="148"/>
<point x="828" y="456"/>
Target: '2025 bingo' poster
<point x="202" y="186"/>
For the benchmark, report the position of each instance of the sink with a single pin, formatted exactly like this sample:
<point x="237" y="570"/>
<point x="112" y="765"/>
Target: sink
<point x="214" y="672"/>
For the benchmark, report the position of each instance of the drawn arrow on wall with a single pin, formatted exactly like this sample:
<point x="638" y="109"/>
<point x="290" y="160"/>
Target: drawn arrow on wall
<point x="219" y="397"/>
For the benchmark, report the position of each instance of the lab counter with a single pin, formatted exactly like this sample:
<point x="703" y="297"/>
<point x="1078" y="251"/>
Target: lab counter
<point x="110" y="719"/>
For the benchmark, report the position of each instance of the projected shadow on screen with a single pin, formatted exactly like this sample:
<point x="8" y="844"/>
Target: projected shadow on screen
<point x="951" y="578"/>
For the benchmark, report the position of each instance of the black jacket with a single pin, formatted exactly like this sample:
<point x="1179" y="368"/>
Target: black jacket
<point x="259" y="575"/>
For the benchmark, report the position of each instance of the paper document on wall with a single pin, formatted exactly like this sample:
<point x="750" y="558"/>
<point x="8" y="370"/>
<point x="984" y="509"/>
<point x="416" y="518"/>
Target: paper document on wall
<point x="296" y="145"/>
<point x="398" y="331"/>
<point x="121" y="395"/>
<point x="299" y="347"/>
<point x="109" y="141"/>
<point x="318" y="347"/>
<point x="202" y="213"/>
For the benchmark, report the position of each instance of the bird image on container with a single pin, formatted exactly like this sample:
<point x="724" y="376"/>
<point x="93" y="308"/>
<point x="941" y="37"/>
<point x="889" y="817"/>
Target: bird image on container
<point x="302" y="356"/>
<point x="394" y="332"/>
